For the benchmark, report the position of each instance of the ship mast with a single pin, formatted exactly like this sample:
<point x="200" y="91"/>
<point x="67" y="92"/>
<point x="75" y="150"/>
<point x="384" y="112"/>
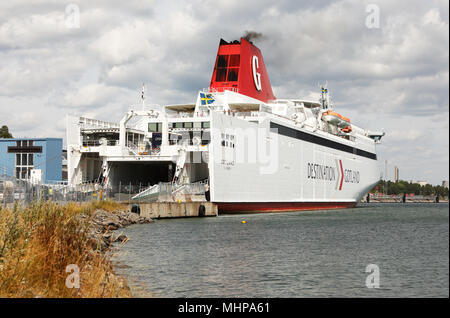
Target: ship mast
<point x="324" y="99"/>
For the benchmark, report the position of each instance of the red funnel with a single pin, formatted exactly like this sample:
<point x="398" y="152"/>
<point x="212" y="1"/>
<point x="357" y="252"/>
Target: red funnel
<point x="240" y="67"/>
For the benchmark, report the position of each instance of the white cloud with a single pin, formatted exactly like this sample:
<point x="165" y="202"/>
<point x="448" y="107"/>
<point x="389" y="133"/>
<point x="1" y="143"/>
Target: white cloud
<point x="395" y="77"/>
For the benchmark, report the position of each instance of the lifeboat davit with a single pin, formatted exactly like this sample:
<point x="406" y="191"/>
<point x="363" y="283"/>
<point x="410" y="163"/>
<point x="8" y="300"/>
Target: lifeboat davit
<point x="334" y="118"/>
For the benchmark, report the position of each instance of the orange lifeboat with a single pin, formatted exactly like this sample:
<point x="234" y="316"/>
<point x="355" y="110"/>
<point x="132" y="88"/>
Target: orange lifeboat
<point x="347" y="129"/>
<point x="336" y="119"/>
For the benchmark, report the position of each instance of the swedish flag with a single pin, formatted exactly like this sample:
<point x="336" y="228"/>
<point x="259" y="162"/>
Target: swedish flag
<point x="206" y="99"/>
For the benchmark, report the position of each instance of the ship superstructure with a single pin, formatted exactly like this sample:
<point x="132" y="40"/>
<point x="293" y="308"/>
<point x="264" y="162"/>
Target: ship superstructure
<point x="237" y="145"/>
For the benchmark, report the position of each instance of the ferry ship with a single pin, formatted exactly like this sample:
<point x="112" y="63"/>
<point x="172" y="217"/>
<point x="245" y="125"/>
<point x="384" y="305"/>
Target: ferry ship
<point x="237" y="146"/>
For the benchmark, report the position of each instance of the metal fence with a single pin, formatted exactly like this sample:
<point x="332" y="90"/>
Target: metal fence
<point x="14" y="190"/>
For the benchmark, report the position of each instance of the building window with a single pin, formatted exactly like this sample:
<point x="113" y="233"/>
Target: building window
<point x="24" y="160"/>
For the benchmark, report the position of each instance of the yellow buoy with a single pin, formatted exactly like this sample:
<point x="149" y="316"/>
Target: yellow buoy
<point x="243" y="221"/>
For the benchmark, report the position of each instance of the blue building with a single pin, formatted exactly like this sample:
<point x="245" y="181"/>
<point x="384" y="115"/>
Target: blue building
<point x="18" y="156"/>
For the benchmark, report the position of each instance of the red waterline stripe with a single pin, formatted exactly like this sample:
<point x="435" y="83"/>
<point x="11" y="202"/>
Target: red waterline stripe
<point x="239" y="207"/>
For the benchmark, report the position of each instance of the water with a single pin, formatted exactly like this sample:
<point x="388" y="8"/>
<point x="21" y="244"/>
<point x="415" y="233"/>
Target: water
<point x="299" y="254"/>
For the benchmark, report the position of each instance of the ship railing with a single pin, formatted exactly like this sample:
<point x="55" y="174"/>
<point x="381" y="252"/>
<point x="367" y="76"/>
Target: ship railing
<point x="89" y="122"/>
<point x="190" y="188"/>
<point x="220" y="90"/>
<point x="168" y="191"/>
<point x="97" y="143"/>
<point x="247" y="114"/>
<point x="151" y="191"/>
<point x="140" y="150"/>
<point x="132" y="147"/>
<point x="180" y="115"/>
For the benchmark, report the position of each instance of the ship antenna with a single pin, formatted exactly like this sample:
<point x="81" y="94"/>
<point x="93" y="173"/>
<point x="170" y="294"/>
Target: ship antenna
<point x="143" y="95"/>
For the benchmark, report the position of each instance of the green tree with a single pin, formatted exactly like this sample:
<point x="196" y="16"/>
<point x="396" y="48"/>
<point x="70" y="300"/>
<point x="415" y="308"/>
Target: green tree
<point x="428" y="190"/>
<point x="402" y="186"/>
<point x="4" y="132"/>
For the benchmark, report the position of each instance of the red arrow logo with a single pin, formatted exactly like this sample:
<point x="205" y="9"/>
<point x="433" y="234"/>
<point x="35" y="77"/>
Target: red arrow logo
<point x="342" y="174"/>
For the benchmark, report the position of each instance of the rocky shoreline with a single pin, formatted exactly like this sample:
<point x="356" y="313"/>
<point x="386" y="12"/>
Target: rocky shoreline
<point x="103" y="223"/>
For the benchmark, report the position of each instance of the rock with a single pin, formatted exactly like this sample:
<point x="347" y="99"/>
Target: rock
<point x="103" y="222"/>
<point x="112" y="226"/>
<point x="121" y="238"/>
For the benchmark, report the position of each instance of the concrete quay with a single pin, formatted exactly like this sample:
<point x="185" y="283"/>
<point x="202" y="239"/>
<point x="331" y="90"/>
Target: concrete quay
<point x="164" y="210"/>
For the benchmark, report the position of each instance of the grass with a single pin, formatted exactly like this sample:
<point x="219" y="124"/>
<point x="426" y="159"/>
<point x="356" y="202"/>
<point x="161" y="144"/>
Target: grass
<point x="39" y="241"/>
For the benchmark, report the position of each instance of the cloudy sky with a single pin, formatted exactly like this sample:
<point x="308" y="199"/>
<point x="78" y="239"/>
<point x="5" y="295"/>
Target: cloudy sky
<point x="388" y="71"/>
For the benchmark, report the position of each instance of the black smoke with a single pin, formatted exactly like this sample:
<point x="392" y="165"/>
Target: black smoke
<point x="252" y="36"/>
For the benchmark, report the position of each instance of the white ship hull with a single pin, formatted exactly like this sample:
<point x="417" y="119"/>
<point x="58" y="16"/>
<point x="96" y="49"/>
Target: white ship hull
<point x="299" y="175"/>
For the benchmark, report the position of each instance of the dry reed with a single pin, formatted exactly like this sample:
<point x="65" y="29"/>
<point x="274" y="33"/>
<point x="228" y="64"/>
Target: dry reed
<point x="38" y="242"/>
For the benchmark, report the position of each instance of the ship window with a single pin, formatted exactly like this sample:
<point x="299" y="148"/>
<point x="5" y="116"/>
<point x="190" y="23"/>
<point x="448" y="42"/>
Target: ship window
<point x="227" y="68"/>
<point x="205" y="124"/>
<point x="178" y="125"/>
<point x="154" y="127"/>
<point x="197" y="124"/>
<point x="206" y="137"/>
<point x="233" y="74"/>
<point x="234" y="60"/>
<point x="221" y="75"/>
<point x="187" y="125"/>
<point x="222" y="61"/>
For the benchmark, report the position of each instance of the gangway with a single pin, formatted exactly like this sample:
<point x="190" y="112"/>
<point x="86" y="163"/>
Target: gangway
<point x="169" y="192"/>
<point x="180" y="163"/>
